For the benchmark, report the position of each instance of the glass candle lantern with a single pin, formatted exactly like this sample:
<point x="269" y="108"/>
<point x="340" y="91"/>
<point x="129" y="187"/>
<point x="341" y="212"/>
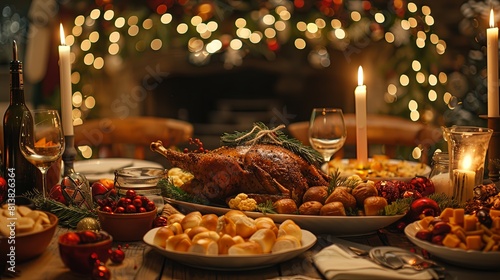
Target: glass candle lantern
<point x="467" y="147"/>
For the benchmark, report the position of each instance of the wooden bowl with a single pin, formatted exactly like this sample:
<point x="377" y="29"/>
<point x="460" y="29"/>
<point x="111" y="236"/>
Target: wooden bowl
<point x="28" y="245"/>
<point x="127" y="226"/>
<point x="77" y="257"/>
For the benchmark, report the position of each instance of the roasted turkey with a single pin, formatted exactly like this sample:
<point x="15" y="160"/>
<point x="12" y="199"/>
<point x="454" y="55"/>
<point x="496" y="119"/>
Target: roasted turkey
<point x="263" y="171"/>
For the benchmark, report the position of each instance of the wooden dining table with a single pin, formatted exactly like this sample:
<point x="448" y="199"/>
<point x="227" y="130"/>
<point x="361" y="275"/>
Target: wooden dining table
<point x="143" y="262"/>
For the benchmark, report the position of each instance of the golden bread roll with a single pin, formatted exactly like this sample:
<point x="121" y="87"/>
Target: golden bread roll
<point x="175" y="218"/>
<point x="245" y="248"/>
<point x="204" y="246"/>
<point x="224" y="243"/>
<point x="234" y="214"/>
<point x="286" y="242"/>
<point x="265" y="237"/>
<point x="310" y="208"/>
<point x="342" y="195"/>
<point x="191" y="220"/>
<point x="195" y="230"/>
<point x="209" y="221"/>
<point x="316" y="193"/>
<point x="178" y="243"/>
<point x="266" y="222"/>
<point x="363" y="191"/>
<point x="374" y="205"/>
<point x="162" y="235"/>
<point x="291" y="228"/>
<point x="206" y="234"/>
<point x="226" y="225"/>
<point x="335" y="208"/>
<point x="245" y="226"/>
<point x="176" y="228"/>
<point x="285" y="206"/>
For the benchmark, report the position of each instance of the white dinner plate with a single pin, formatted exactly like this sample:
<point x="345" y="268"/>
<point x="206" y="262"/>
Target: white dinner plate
<point x="467" y="258"/>
<point x="225" y="262"/>
<point x="335" y="225"/>
<point x="95" y="169"/>
<point x="404" y="170"/>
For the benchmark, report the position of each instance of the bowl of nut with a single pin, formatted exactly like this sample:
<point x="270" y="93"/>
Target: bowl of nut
<point x="77" y="249"/>
<point x="29" y="236"/>
<point x="128" y="218"/>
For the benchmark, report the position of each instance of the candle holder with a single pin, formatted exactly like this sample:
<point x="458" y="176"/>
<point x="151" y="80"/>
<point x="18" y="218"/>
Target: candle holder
<point x="467" y="147"/>
<point x="75" y="187"/>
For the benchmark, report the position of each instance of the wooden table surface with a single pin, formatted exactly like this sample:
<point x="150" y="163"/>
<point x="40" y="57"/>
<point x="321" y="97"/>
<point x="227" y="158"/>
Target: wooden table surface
<point x="141" y="262"/>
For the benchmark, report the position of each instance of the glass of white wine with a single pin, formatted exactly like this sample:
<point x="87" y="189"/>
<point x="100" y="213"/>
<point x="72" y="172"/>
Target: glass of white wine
<point x="41" y="140"/>
<point x="327" y="131"/>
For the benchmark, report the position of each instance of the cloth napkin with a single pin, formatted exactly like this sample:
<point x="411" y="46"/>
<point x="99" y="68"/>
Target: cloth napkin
<point x="335" y="263"/>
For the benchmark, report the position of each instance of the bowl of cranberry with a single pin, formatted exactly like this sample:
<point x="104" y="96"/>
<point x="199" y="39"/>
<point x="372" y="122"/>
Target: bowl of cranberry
<point x="80" y="250"/>
<point x="129" y="218"/>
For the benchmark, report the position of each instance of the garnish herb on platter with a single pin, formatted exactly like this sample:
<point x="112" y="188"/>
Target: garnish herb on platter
<point x="398" y="207"/>
<point x="169" y="190"/>
<point x="261" y="134"/>
<point x="337" y="180"/>
<point x="266" y="207"/>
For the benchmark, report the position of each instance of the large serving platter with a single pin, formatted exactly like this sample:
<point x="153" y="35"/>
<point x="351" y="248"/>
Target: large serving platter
<point x="390" y="169"/>
<point x="335" y="225"/>
<point x="225" y="262"/>
<point x="95" y="169"/>
<point x="467" y="258"/>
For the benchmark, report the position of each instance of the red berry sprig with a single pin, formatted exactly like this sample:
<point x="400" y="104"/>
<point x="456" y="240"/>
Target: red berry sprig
<point x="199" y="146"/>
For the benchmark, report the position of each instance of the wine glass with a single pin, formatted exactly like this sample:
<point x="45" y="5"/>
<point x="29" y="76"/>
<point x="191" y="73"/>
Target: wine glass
<point x="41" y="140"/>
<point x="327" y="131"/>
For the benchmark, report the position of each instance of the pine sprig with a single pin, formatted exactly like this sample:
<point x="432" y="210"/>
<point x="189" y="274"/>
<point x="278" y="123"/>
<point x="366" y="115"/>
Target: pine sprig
<point x="238" y="138"/>
<point x="444" y="201"/>
<point x="68" y="216"/>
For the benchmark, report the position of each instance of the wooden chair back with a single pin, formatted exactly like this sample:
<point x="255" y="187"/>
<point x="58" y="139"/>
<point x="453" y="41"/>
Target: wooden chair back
<point x="391" y="132"/>
<point x="112" y="136"/>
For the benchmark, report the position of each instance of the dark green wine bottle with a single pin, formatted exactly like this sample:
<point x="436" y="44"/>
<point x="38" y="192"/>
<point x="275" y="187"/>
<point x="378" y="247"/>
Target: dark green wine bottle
<point x="20" y="173"/>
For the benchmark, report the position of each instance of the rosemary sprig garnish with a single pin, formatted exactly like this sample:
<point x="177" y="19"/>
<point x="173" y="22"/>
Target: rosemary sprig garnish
<point x="398" y="207"/>
<point x="169" y="190"/>
<point x="261" y="134"/>
<point x="337" y="180"/>
<point x="266" y="207"/>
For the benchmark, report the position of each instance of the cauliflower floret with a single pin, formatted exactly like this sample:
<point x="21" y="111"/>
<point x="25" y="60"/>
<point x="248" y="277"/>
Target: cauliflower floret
<point x="179" y="177"/>
<point x="243" y="203"/>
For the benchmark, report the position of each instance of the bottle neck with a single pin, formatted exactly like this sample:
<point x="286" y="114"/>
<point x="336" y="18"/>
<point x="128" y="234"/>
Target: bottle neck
<point x="16" y="83"/>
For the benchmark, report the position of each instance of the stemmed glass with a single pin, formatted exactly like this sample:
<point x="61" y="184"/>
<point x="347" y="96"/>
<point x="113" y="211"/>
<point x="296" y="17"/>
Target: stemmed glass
<point x="41" y="140"/>
<point x="327" y="131"/>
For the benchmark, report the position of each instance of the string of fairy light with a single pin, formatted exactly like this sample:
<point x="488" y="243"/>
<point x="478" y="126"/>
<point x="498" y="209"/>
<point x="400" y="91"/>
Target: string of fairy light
<point x="264" y="30"/>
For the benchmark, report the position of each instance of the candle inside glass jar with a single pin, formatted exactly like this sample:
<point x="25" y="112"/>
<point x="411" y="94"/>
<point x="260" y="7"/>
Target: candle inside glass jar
<point x="464" y="180"/>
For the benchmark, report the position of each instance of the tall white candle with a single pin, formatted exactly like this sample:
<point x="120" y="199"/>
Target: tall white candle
<point x="65" y="77"/>
<point x="464" y="180"/>
<point x="361" y="133"/>
<point x="492" y="64"/>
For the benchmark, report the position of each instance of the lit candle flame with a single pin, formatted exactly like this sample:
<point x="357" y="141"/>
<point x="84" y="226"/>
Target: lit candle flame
<point x="492" y="19"/>
<point x="466" y="162"/>
<point x="63" y="38"/>
<point x="360" y="76"/>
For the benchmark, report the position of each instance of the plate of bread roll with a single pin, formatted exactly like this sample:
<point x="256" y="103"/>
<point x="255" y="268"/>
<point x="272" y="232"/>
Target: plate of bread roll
<point x="232" y="241"/>
<point x="335" y="225"/>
